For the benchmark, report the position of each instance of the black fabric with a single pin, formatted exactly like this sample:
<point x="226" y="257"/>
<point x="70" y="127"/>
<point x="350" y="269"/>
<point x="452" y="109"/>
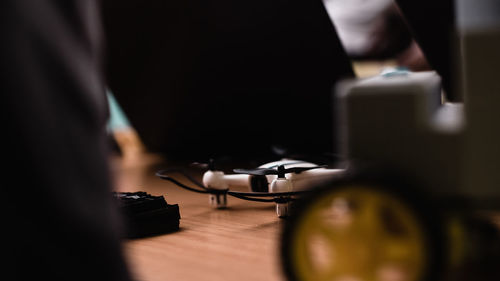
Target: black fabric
<point x="209" y="78"/>
<point x="432" y="24"/>
<point x="61" y="224"/>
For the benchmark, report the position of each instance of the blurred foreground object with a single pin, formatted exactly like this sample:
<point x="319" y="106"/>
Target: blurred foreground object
<point x="369" y="29"/>
<point x="62" y="224"/>
<point x="423" y="174"/>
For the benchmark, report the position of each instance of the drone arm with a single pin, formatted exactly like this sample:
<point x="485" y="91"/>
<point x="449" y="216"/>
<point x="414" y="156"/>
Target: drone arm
<point x="315" y="177"/>
<point x="237" y="180"/>
<point x="214" y="180"/>
<point x="324" y="172"/>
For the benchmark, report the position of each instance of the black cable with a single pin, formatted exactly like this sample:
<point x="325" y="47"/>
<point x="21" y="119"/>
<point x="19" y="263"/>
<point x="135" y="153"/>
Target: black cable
<point x="166" y="177"/>
<point x="162" y="173"/>
<point x="268" y="194"/>
<point x="249" y="198"/>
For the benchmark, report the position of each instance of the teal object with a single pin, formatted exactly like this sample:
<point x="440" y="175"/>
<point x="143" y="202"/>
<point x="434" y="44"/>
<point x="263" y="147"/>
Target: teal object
<point x="117" y="120"/>
<point x="395" y="71"/>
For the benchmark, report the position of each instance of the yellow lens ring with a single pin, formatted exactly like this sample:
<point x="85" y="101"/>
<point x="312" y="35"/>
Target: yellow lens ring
<point x="378" y="238"/>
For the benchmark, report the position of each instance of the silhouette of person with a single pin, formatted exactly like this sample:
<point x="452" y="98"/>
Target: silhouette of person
<point x="61" y="221"/>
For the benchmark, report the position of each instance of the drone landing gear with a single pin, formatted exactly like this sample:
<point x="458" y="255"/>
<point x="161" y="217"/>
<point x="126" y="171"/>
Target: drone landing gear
<point x="283" y="206"/>
<point x="218" y="199"/>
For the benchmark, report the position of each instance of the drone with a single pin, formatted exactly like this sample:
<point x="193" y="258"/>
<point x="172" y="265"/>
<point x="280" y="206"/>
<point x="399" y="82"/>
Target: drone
<point x="278" y="181"/>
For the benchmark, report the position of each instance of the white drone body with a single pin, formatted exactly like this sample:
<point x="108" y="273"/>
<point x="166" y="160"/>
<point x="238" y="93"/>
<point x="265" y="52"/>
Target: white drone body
<point x="290" y="182"/>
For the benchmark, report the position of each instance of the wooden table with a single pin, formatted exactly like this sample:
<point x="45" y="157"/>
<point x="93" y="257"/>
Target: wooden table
<point x="237" y="243"/>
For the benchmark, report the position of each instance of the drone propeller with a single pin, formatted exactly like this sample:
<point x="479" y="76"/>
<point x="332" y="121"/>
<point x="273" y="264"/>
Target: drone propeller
<point x="281" y="171"/>
<point x="328" y="158"/>
<point x="214" y="163"/>
<point x="205" y="166"/>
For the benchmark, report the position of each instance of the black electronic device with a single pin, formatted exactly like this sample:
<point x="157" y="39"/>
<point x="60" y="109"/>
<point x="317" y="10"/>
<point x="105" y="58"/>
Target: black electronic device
<point x="147" y="215"/>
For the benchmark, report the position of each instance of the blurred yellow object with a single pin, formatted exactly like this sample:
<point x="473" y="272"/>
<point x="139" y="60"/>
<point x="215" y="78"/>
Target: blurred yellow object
<point x="359" y="233"/>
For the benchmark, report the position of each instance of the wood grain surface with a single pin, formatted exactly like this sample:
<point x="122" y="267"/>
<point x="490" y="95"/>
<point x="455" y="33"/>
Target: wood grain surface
<point x="237" y="243"/>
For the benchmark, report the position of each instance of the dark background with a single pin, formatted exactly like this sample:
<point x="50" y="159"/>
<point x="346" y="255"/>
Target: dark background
<point x="224" y="77"/>
<point x="209" y="78"/>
